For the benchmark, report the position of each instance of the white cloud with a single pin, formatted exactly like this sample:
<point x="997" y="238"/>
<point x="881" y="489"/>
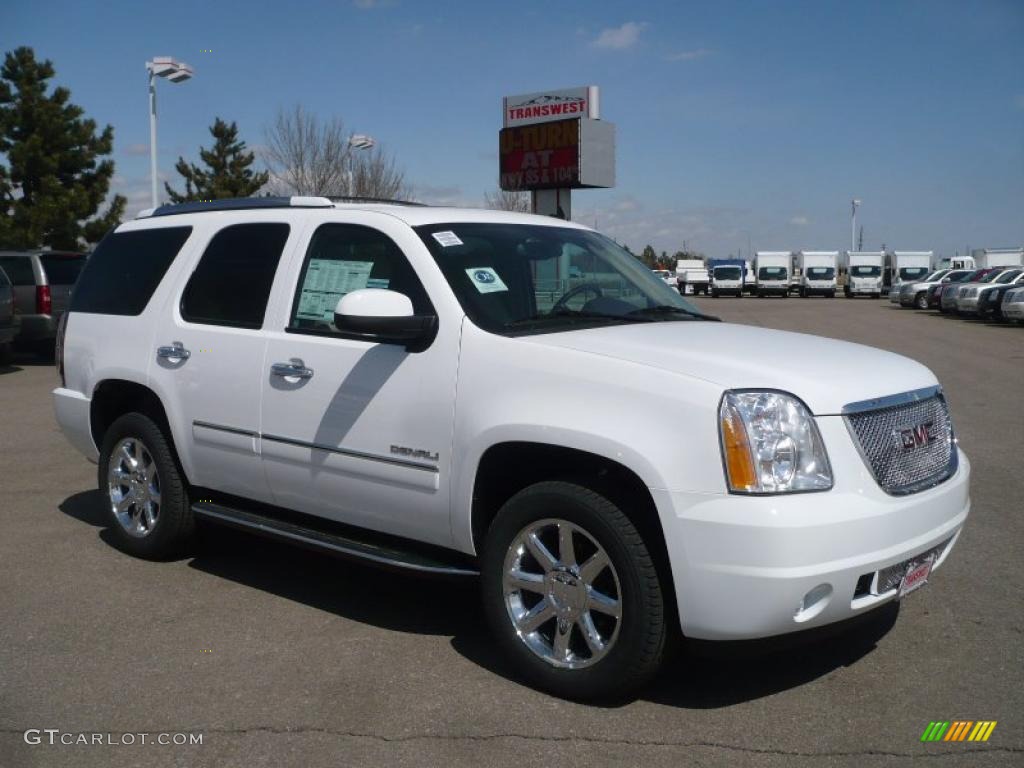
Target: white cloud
<point x="620" y="38"/>
<point x="800" y="221"/>
<point x="366" y="5"/>
<point x="136" y="150"/>
<point x="697" y="53"/>
<point x="1018" y="101"/>
<point x="443" y="195"/>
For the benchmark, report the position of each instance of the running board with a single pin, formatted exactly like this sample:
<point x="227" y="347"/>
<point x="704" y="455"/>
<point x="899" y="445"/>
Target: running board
<point x="343" y="545"/>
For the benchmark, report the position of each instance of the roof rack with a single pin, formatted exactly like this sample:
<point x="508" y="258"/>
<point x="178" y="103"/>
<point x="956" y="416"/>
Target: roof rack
<point x="348" y="199"/>
<point x="236" y="204"/>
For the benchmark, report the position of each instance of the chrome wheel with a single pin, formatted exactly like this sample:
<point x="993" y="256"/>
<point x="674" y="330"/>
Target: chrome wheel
<point x="133" y="487"/>
<point x="565" y="607"/>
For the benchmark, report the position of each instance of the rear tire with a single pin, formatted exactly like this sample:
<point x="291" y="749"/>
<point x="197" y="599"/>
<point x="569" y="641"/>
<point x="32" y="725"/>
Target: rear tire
<point x="149" y="512"/>
<point x="558" y="635"/>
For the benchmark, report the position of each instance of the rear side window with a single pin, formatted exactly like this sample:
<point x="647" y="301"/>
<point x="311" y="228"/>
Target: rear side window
<point x="62" y="269"/>
<point x="232" y="282"/>
<point x="18" y="269"/>
<point x="121" y="275"/>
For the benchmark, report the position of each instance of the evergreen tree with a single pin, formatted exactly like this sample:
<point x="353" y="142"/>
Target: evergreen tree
<point x="52" y="180"/>
<point x="648" y="256"/>
<point x="227" y="174"/>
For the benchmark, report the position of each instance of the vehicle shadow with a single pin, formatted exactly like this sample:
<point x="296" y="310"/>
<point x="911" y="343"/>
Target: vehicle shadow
<point x="697" y="675"/>
<point x="9" y="368"/>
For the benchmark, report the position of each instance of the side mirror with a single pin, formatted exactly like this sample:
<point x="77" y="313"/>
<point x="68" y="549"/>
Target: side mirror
<point x="383" y="316"/>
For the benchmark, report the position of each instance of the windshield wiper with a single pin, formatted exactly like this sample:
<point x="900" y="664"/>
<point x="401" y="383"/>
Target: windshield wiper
<point x="573" y="315"/>
<point x="668" y="309"/>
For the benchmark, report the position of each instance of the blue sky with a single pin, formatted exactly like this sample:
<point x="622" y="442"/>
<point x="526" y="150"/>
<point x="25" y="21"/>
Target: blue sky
<point x="736" y="121"/>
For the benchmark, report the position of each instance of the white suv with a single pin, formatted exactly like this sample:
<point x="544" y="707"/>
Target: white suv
<point x="465" y="392"/>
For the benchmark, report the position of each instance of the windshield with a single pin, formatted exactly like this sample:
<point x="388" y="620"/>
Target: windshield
<point x="771" y="273"/>
<point x="913" y="273"/>
<point x="1008" y="277"/>
<point x="988" y="278"/>
<point x="866" y="270"/>
<point x="517" y="279"/>
<point x="821" y="273"/>
<point x="937" y="275"/>
<point x="727" y="273"/>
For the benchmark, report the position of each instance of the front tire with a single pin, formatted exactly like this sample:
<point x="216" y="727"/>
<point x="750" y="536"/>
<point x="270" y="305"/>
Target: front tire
<point x="148" y="507"/>
<point x="572" y="594"/>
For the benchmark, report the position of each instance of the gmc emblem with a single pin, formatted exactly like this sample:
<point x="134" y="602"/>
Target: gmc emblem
<point x="914" y="437"/>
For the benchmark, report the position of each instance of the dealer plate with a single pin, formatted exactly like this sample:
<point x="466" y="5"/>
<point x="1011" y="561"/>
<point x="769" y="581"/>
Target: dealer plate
<point x="916" y="576"/>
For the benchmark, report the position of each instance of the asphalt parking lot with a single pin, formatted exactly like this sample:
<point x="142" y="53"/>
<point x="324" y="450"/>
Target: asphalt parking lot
<point x="281" y="657"/>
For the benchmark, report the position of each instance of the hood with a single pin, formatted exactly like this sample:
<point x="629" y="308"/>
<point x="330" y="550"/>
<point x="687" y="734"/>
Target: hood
<point x="825" y="373"/>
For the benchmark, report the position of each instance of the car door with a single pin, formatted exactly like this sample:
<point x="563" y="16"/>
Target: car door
<point x="208" y="353"/>
<point x="364" y="435"/>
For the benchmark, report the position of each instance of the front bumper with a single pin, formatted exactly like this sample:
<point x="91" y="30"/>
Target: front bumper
<point x="1013" y="311"/>
<point x="743" y="566"/>
<point x="818" y="289"/>
<point x="967" y="305"/>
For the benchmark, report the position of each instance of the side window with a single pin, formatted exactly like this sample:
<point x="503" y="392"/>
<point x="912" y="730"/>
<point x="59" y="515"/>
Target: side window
<point x="232" y="281"/>
<point x="121" y="275"/>
<point x="18" y="269"/>
<point x="347" y="257"/>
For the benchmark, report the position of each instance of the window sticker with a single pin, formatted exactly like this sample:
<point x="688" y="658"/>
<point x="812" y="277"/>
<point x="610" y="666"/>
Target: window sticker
<point x="486" y="279"/>
<point x="327" y="280"/>
<point x="447" y="239"/>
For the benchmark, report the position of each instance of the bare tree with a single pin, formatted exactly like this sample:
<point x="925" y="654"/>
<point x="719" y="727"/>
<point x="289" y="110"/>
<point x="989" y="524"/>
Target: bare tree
<point x="508" y="200"/>
<point x="308" y="157"/>
<point x="374" y="173"/>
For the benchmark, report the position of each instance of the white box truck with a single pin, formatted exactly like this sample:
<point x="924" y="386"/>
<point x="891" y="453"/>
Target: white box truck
<point x="998" y="257"/>
<point x="817" y="273"/>
<point x="910" y="266"/>
<point x="692" y="276"/>
<point x="771" y="273"/>
<point x="864" y="273"/>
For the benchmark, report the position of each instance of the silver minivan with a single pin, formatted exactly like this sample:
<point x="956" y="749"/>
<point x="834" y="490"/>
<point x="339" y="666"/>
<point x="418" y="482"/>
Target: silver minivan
<point x="43" y="281"/>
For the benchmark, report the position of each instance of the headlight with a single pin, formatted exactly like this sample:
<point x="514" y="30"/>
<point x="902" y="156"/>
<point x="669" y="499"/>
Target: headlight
<point x="770" y="444"/>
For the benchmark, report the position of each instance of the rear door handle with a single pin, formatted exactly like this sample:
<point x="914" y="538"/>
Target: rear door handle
<point x="174" y="352"/>
<point x="293" y="369"/>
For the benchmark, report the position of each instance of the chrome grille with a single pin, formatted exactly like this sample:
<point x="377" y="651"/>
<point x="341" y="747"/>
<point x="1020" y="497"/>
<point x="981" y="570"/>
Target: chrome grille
<point x="906" y="440"/>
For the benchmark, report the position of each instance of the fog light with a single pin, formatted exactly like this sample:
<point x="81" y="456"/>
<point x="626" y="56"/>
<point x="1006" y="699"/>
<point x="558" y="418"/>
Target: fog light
<point x="814" y="602"/>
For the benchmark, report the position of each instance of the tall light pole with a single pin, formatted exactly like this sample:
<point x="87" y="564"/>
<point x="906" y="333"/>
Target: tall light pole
<point x="853" y="223"/>
<point x="176" y="72"/>
<point x="358" y="141"/>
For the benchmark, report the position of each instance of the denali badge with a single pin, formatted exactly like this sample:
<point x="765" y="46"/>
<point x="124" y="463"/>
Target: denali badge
<point x="415" y="453"/>
<point x="914" y="437"/>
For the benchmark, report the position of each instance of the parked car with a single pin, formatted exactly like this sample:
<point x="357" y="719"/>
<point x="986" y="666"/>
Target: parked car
<point x="8" y="317"/>
<point x="916" y="294"/>
<point x="964" y="290"/>
<point x="388" y="383"/>
<point x="945" y="296"/>
<point x="985" y="300"/>
<point x="907" y="287"/>
<point x="669" y="278"/>
<point x="42" y="287"/>
<point x="1012" y="307"/>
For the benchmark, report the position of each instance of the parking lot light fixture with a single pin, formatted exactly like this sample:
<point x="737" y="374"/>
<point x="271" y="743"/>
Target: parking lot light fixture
<point x="176" y="72"/>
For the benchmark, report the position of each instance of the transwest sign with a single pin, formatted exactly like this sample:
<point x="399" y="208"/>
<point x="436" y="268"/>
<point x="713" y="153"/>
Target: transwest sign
<point x="545" y="106"/>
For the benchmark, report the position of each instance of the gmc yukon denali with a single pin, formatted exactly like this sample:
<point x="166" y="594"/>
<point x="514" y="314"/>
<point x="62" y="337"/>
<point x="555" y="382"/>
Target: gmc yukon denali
<point x="470" y="393"/>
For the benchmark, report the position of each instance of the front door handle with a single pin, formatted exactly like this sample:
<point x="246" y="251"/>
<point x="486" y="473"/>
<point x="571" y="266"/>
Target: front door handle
<point x="174" y="352"/>
<point x="293" y="369"/>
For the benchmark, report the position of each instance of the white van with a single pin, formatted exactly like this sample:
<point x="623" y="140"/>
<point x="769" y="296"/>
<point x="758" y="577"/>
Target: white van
<point x="771" y="272"/>
<point x="817" y="273"/>
<point x="864" y="273"/>
<point x="909" y="267"/>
